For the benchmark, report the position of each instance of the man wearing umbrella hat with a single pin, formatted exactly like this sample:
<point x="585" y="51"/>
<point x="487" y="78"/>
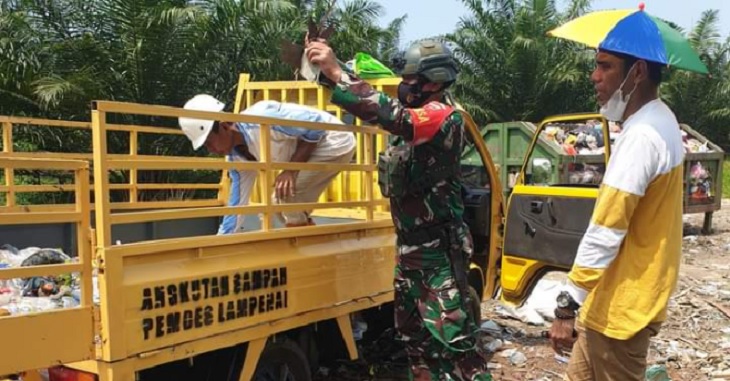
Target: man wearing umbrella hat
<point x="627" y="264"/>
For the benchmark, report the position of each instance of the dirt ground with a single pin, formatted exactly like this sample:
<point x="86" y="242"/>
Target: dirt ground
<point x="694" y="344"/>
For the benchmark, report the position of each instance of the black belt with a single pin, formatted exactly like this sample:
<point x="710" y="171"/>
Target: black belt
<point x="431" y="233"/>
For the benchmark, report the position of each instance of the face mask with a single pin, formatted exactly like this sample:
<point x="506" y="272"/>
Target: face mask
<point x="412" y="95"/>
<point x="614" y="109"/>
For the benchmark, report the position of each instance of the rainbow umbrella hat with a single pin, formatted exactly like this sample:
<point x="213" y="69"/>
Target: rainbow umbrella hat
<point x="633" y="32"/>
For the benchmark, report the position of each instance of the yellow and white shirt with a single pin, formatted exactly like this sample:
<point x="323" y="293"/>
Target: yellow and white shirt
<point x="628" y="260"/>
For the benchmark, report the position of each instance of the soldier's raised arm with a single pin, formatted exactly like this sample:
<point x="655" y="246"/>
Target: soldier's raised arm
<point x="427" y="69"/>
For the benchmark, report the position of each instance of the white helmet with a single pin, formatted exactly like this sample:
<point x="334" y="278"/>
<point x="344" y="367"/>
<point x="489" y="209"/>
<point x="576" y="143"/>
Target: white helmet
<point x="197" y="130"/>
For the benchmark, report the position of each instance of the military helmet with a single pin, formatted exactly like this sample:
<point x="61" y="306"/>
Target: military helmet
<point x="429" y="58"/>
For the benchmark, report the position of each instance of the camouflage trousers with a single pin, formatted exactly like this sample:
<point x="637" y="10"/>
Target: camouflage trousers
<point x="441" y="339"/>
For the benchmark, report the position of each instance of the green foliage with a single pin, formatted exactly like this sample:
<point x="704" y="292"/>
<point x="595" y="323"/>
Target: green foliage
<point x="704" y="101"/>
<point x="511" y="69"/>
<point x="58" y="56"/>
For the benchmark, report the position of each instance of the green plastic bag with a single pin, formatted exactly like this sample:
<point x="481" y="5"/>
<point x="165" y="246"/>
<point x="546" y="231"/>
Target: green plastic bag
<point x="367" y="67"/>
<point x="657" y="373"/>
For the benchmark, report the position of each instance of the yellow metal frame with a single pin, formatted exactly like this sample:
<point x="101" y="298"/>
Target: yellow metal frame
<point x="518" y="274"/>
<point x="31" y="334"/>
<point x="310" y="94"/>
<point x="491" y="272"/>
<point x="361" y="252"/>
<point x="133" y="187"/>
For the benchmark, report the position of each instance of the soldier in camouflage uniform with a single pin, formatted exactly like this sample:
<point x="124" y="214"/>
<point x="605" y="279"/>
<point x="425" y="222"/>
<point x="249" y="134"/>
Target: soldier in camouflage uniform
<point x="420" y="173"/>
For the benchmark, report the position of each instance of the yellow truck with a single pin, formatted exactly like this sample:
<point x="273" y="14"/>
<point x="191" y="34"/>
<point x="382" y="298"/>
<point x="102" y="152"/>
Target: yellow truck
<point x="162" y="297"/>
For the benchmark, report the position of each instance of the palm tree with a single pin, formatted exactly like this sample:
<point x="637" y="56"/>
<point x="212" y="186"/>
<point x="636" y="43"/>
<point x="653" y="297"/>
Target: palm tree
<point x="57" y="56"/>
<point x="704" y="101"/>
<point x="19" y="62"/>
<point x="511" y="70"/>
<point x="67" y="52"/>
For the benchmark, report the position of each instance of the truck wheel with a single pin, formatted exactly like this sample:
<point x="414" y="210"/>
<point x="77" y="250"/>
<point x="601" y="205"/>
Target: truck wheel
<point x="282" y="361"/>
<point x="308" y="343"/>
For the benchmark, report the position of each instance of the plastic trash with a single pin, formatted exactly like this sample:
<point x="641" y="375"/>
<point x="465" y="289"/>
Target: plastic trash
<point x="45" y="257"/>
<point x="359" y="327"/>
<point x="491" y="327"/>
<point x="309" y="71"/>
<point x="69" y="302"/>
<point x="495" y="345"/>
<point x="657" y="373"/>
<point x="5" y="296"/>
<point x="31" y="305"/>
<point x="539" y="306"/>
<point x="561" y="359"/>
<point x="367" y="67"/>
<point x="518" y="358"/>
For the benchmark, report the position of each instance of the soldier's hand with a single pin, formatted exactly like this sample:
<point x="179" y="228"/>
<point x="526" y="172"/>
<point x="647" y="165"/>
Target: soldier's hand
<point x="320" y="54"/>
<point x="562" y="335"/>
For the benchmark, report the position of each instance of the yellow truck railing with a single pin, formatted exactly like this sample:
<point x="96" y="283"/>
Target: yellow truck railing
<point x="28" y="337"/>
<point x="117" y="260"/>
<point x="132" y="187"/>
<point x="346" y="186"/>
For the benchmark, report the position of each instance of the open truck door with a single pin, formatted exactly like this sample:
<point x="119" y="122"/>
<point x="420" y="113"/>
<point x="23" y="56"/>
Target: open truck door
<point x="483" y="211"/>
<point x="552" y="201"/>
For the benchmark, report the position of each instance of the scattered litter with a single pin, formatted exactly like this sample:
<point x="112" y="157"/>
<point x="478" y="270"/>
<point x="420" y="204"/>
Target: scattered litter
<point x="518" y="358"/>
<point x="323" y="371"/>
<point x="562" y="359"/>
<point x="724" y="295"/>
<point x="359" y="326"/>
<point x="657" y="373"/>
<point x="539" y="307"/>
<point x="495" y="345"/>
<point x="491" y="327"/>
<point x="494" y="365"/>
<point x="693" y="343"/>
<point x="707" y="290"/>
<point x="508" y="352"/>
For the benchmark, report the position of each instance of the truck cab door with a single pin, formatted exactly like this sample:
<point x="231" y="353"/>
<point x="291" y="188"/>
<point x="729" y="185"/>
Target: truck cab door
<point x="483" y="211"/>
<point x="552" y="202"/>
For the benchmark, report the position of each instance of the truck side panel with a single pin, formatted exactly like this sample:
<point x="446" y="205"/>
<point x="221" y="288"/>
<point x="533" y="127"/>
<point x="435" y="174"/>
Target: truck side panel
<point x="183" y="295"/>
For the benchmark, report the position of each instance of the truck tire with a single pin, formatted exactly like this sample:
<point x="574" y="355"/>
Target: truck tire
<point x="308" y="343"/>
<point x="282" y="360"/>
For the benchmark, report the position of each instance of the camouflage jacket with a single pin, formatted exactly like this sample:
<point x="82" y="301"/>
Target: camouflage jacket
<point x="437" y="133"/>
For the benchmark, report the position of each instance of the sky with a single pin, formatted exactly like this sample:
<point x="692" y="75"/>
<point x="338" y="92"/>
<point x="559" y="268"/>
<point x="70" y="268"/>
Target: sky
<point x="432" y="17"/>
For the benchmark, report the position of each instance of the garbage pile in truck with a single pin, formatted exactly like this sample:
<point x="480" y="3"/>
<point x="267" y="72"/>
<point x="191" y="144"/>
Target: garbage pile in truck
<point x="41" y="293"/>
<point x="587" y="139"/>
<point x="577" y="139"/>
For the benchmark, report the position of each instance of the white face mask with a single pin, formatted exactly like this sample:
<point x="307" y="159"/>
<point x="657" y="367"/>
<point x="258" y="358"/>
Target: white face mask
<point x="614" y="109"/>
